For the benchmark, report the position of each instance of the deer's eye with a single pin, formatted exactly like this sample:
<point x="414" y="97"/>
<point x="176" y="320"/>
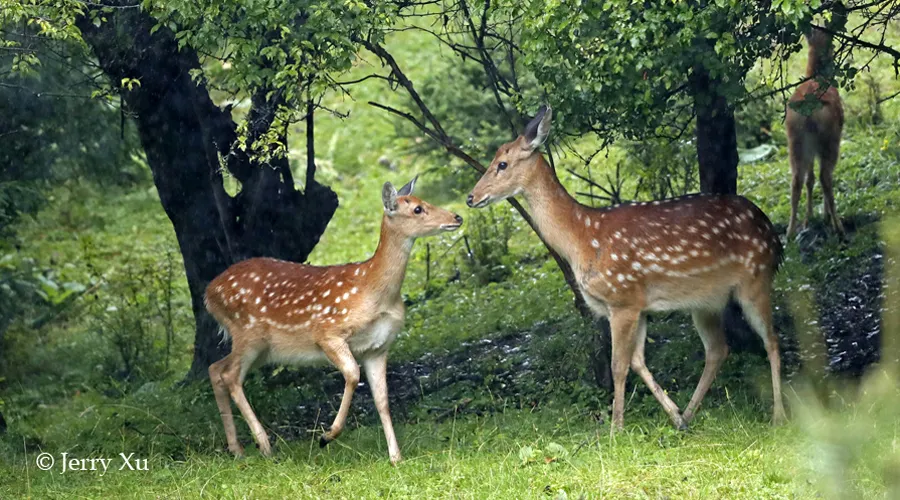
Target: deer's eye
<point x="417" y="210"/>
<point x="502" y="165"/>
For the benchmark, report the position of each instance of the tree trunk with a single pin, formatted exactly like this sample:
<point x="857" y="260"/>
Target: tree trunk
<point x="184" y="135"/>
<point x="716" y="137"/>
<point x="717" y="157"/>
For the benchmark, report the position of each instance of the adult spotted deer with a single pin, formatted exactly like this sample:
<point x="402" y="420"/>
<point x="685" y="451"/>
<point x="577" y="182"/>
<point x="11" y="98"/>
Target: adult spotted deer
<point x="283" y="312"/>
<point x="814" y="135"/>
<point x="691" y="253"/>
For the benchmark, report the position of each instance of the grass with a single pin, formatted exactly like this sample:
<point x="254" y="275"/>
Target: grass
<point x="731" y="451"/>
<point x="558" y="452"/>
<point x="512" y="454"/>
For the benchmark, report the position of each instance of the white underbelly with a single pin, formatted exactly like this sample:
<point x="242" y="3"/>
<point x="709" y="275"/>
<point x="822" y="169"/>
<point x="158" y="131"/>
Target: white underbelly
<point x="681" y="300"/>
<point x="376" y="337"/>
<point x="598" y="307"/>
<point x="313" y="356"/>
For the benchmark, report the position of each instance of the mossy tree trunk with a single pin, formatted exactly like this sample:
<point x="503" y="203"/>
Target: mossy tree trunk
<point x="188" y="140"/>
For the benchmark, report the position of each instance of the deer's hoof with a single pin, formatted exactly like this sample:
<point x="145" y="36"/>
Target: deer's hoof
<point x="323" y="441"/>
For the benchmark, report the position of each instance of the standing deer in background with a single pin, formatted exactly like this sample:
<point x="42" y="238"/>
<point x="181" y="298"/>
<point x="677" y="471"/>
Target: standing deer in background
<point x="816" y="134"/>
<point x="690" y="253"/>
<point x="282" y="312"/>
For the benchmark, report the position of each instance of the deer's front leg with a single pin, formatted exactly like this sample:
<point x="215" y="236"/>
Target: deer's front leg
<point x="376" y="374"/>
<point x="339" y="353"/>
<point x="623" y="322"/>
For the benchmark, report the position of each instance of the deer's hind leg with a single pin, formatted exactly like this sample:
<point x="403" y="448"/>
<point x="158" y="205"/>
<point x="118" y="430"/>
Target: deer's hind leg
<point x="802" y="156"/>
<point x="709" y="326"/>
<point x="828" y="158"/>
<point x="227" y="377"/>
<point x="756" y="302"/>
<point x="810" y="184"/>
<point x="223" y="401"/>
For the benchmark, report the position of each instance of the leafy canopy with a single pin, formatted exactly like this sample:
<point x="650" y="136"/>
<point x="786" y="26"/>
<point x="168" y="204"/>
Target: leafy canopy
<point x="622" y="66"/>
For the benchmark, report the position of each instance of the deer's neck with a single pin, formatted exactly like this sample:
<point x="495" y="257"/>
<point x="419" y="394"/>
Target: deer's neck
<point x="555" y="212"/>
<point x="387" y="268"/>
<point x="816" y="59"/>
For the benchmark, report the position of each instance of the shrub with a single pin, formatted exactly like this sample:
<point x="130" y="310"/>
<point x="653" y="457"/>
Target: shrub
<point x="487" y="245"/>
<point x="139" y="319"/>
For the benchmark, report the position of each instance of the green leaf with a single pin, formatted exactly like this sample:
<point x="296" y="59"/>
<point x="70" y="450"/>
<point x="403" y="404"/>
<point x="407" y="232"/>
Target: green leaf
<point x="527" y="454"/>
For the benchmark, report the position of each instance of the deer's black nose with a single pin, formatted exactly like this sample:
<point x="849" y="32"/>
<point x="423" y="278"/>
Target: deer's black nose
<point x="469" y="200"/>
<point x="459" y="219"/>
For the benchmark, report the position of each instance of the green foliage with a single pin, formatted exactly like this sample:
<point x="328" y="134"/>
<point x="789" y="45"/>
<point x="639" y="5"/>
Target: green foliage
<point x="16" y="199"/>
<point x="141" y="320"/>
<point x="285" y="55"/>
<point x="54" y="131"/>
<point x="664" y="168"/>
<point x="54" y="20"/>
<point x="457" y="98"/>
<point x="534" y="294"/>
<point x="18" y="290"/>
<point x="33" y="295"/>
<point x="755" y="119"/>
<point x="487" y="256"/>
<point x="624" y="68"/>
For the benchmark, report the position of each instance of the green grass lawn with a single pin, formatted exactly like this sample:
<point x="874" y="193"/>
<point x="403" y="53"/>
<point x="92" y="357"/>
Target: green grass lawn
<point x="513" y="454"/>
<point x="555" y="453"/>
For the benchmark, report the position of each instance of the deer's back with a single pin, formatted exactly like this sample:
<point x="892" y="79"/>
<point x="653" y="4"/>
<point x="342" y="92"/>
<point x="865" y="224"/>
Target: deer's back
<point x="825" y="122"/>
<point x="678" y="250"/>
<point x="287" y="303"/>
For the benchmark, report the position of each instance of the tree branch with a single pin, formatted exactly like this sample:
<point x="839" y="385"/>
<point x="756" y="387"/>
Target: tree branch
<point x="438" y="134"/>
<point x="310" y="139"/>
<point x="486" y="61"/>
<point x="385" y="56"/>
<point x="880" y="47"/>
<point x="443" y="140"/>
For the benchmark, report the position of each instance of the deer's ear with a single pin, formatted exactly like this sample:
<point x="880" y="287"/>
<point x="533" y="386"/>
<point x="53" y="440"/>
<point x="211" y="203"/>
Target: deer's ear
<point x="408" y="188"/>
<point x="538" y="129"/>
<point x="389" y="198"/>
